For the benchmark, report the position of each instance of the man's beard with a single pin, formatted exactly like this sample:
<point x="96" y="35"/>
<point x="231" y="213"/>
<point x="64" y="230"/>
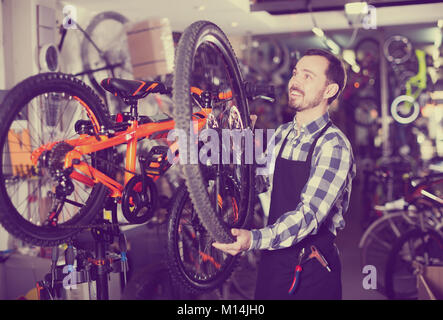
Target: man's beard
<point x="301" y="106"/>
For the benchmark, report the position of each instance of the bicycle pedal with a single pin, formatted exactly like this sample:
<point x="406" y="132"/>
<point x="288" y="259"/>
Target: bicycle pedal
<point x="156" y="161"/>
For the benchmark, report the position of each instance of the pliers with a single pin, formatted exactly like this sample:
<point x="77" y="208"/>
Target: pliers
<point x="298" y="270"/>
<point x="315" y="253"/>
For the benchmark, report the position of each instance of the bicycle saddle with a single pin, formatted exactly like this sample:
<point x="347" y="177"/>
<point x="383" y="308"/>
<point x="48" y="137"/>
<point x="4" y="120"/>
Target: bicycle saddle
<point x="133" y="89"/>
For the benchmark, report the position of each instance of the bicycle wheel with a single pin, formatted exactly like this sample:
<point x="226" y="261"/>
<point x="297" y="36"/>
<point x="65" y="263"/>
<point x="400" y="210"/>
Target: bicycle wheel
<point x="193" y="261"/>
<point x="377" y="241"/>
<point x="38" y="111"/>
<point x="397" y="49"/>
<point x="424" y="247"/>
<point x="206" y="60"/>
<point x="102" y="49"/>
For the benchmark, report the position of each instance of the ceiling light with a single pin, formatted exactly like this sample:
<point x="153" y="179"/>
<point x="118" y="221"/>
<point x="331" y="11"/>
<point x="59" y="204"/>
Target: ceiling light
<point x="333" y="46"/>
<point x="349" y="56"/>
<point x="234" y="24"/>
<point x="318" y="32"/>
<point x="201" y="8"/>
<point x="356" y="8"/>
<point x="440" y="23"/>
<point x="355" y="68"/>
<point x="437" y="39"/>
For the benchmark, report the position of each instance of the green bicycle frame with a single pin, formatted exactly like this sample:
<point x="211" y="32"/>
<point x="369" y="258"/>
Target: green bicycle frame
<point x="419" y="80"/>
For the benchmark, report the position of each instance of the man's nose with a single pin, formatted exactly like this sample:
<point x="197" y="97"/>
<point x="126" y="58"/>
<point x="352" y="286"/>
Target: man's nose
<point x="295" y="81"/>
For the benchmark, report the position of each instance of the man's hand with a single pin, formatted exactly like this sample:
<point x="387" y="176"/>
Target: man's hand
<point x="242" y="243"/>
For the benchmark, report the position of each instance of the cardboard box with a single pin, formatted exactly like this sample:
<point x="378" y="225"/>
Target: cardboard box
<point x="151" y="48"/>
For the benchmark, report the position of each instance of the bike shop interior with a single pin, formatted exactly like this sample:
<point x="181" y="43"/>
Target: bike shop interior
<point x="391" y="110"/>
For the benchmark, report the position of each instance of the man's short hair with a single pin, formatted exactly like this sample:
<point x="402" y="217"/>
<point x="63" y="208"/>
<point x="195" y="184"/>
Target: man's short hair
<point x="336" y="71"/>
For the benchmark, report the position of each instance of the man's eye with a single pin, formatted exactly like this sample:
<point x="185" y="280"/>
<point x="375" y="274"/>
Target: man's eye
<point x="307" y="76"/>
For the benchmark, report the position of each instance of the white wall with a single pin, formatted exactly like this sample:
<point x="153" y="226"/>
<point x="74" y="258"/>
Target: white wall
<point x="18" y="50"/>
<point x="20" y="39"/>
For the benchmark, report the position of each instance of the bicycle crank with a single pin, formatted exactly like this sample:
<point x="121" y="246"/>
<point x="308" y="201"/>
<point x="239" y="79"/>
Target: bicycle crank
<point x="139" y="199"/>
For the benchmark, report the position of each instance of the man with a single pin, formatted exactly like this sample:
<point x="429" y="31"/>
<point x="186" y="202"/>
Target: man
<point x="311" y="176"/>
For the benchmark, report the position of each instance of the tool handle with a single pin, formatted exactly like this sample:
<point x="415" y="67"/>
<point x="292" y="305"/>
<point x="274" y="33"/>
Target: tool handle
<point x="317" y="255"/>
<point x="296" y="280"/>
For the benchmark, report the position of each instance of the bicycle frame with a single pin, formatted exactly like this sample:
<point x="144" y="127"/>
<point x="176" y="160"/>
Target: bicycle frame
<point x="419" y="80"/>
<point x="87" y="144"/>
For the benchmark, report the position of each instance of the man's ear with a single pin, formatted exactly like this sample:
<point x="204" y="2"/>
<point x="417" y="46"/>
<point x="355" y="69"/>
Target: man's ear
<point x="331" y="90"/>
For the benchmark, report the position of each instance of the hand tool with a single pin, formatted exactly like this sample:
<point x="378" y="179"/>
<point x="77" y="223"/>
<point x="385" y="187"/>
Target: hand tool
<point x="298" y="270"/>
<point x="316" y="254"/>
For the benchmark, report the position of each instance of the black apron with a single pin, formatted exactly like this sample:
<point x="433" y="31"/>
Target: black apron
<point x="276" y="267"/>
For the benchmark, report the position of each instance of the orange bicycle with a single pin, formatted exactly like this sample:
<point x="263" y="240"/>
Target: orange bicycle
<point x="59" y="169"/>
<point x="57" y="163"/>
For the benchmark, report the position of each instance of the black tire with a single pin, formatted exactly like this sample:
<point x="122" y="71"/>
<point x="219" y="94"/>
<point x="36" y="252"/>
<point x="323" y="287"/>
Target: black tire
<point x="204" y="40"/>
<point x="192" y="261"/>
<point x="425" y="247"/>
<point x="137" y="208"/>
<point x="378" y="240"/>
<point x="106" y="19"/>
<point x="34" y="107"/>
<point x="397" y="49"/>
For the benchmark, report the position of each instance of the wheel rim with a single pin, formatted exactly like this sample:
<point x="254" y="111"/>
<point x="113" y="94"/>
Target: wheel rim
<point x="45" y="117"/>
<point x="200" y="263"/>
<point x="380" y="240"/>
<point x="212" y="67"/>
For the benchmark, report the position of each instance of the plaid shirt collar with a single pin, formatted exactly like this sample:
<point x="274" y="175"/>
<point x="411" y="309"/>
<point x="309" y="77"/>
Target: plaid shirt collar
<point x="312" y="127"/>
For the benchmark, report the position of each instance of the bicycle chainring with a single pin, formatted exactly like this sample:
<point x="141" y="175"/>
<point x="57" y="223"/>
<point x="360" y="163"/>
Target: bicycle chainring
<point x="138" y="206"/>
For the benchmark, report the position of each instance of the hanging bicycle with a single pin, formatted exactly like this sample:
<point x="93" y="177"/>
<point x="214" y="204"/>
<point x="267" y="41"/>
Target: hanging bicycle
<point x="409" y="78"/>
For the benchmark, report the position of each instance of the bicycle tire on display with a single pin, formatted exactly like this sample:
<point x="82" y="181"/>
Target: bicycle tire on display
<point x="397" y="49"/>
<point x="193" y="267"/>
<point x="19" y="112"/>
<point x="431" y="246"/>
<point x="86" y="46"/>
<point x="206" y="35"/>
<point x="378" y="239"/>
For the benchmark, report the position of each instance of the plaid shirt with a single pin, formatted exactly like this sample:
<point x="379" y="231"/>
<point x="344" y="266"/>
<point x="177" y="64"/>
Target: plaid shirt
<point x="327" y="191"/>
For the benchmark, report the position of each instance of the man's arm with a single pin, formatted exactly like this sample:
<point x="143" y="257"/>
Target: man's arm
<point x="326" y="182"/>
